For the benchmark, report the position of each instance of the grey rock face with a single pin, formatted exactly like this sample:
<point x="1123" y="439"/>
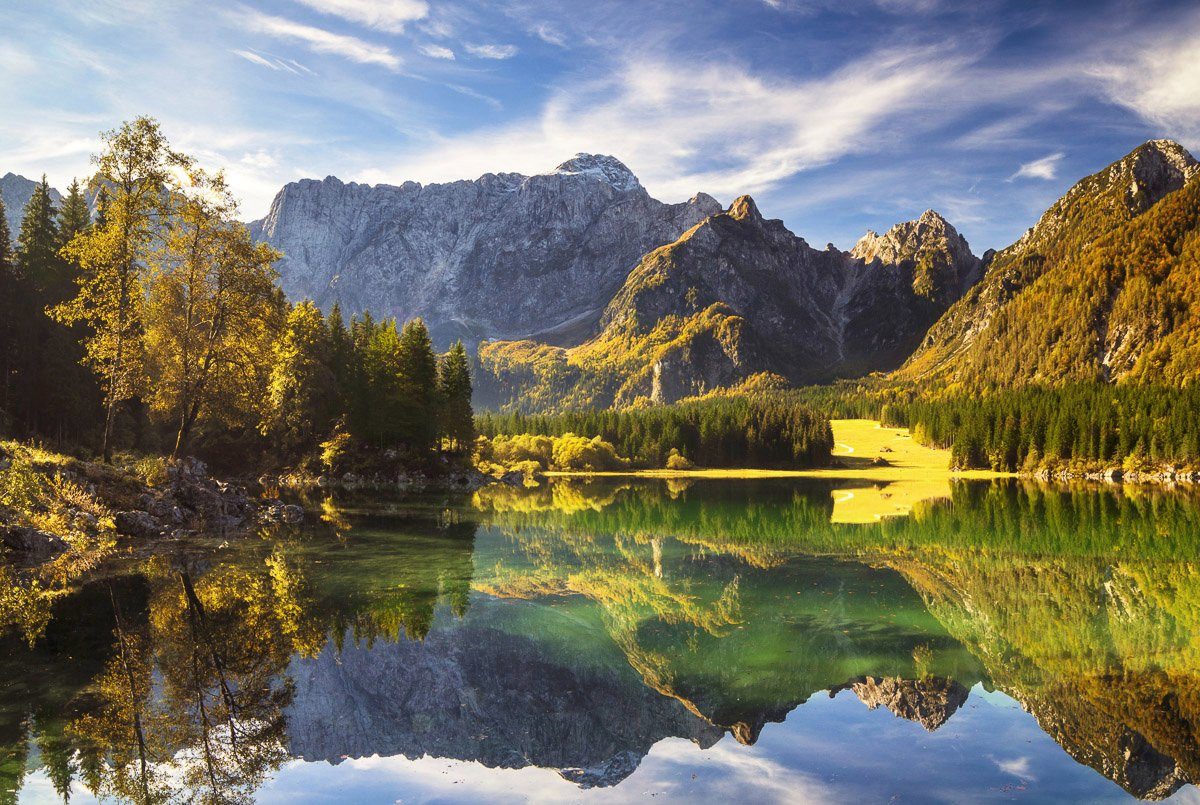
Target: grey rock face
<point x="908" y="277"/>
<point x="505" y="256"/>
<point x="16" y="191"/>
<point x="752" y="297"/>
<point x="472" y="692"/>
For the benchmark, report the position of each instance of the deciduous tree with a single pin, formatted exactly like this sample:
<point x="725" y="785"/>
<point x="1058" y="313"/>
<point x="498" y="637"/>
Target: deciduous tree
<point x="137" y="166"/>
<point x="212" y="313"/>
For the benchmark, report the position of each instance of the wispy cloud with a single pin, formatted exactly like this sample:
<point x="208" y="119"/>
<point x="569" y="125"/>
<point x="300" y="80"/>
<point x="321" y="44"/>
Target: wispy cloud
<point x="1018" y="767"/>
<point x="437" y="52"/>
<point x="719" y="128"/>
<point x="254" y="58"/>
<point x="549" y="34"/>
<point x="386" y="15"/>
<point x="322" y="41"/>
<point x="1044" y="168"/>
<point x="1159" y="79"/>
<point x="491" y="51"/>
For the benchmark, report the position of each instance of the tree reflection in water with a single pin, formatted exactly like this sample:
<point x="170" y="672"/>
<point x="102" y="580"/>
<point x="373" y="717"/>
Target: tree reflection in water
<point x="575" y="624"/>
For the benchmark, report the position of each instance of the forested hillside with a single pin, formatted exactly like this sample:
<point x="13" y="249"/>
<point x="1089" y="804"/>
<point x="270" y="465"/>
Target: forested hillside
<point x="1105" y="287"/>
<point x="1075" y="428"/>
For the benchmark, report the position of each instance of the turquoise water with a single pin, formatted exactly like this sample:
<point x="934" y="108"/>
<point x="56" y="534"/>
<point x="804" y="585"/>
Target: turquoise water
<point x="631" y="640"/>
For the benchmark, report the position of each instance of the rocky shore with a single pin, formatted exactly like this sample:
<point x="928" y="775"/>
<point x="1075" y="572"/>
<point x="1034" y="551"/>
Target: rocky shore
<point x="1166" y="475"/>
<point x="67" y="505"/>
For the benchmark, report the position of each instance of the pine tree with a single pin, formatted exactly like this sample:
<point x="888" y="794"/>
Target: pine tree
<point x="9" y="328"/>
<point x="74" y="216"/>
<point x="454" y="386"/>
<point x="382" y="401"/>
<point x="44" y="347"/>
<point x="301" y="396"/>
<point x="341" y="356"/>
<point x="37" y="244"/>
<point x="419" y="409"/>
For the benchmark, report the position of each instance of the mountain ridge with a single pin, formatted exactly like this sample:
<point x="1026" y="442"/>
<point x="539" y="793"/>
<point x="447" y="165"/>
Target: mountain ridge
<point x="739" y="295"/>
<point x="502" y="256"/>
<point x="1102" y="217"/>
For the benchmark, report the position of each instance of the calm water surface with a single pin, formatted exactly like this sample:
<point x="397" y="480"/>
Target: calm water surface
<point x="620" y="641"/>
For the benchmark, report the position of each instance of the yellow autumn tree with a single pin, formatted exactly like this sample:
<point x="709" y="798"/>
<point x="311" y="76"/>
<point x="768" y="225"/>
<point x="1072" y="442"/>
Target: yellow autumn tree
<point x="212" y="312"/>
<point x="137" y="170"/>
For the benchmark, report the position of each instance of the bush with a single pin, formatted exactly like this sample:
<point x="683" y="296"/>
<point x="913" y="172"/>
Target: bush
<point x="678" y="461"/>
<point x="335" y="448"/>
<point x="581" y="454"/>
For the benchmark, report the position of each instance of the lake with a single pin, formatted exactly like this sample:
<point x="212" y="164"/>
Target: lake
<point x="631" y="639"/>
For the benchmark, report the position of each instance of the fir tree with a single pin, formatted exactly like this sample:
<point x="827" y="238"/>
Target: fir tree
<point x="74" y="216"/>
<point x="37" y="245"/>
<point x="454" y="385"/>
<point x="9" y="329"/>
<point x="341" y="356"/>
<point x="419" y="409"/>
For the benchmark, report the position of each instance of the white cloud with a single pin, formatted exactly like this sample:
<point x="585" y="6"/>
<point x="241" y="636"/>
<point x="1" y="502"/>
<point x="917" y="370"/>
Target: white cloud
<point x="14" y="59"/>
<point x="492" y="51"/>
<point x="386" y="15"/>
<point x="549" y="34"/>
<point x="1160" y="80"/>
<point x="254" y="58"/>
<point x="322" y="41"/>
<point x="717" y="128"/>
<point x="1044" y="168"/>
<point x="436" y="51"/>
<point x="1018" y="767"/>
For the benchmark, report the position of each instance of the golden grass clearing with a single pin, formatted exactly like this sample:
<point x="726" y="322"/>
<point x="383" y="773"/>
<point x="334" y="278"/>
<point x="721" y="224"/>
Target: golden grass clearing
<point x="914" y="472"/>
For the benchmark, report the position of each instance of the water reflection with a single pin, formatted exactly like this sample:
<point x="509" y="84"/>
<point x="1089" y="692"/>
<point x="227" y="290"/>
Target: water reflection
<point x="574" y="627"/>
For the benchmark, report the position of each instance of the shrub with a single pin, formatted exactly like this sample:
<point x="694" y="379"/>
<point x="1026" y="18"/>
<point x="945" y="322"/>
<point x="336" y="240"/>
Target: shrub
<point x="678" y="461"/>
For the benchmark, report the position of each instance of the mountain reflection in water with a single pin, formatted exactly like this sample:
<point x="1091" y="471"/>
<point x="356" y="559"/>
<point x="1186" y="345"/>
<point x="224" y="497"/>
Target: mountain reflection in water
<point x="578" y="627"/>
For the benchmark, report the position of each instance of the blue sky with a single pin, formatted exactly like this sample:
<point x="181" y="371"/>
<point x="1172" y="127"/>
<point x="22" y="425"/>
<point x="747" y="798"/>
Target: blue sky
<point x="837" y="115"/>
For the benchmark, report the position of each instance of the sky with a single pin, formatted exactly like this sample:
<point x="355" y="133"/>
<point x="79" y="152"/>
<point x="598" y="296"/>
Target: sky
<point x="836" y="115"/>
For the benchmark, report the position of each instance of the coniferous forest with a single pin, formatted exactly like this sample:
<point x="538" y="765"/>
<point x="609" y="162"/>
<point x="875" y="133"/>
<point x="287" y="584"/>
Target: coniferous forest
<point x="1081" y="426"/>
<point x="761" y="430"/>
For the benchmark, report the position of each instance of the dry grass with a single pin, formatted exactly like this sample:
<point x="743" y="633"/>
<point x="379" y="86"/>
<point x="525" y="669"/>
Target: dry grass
<point x="913" y="473"/>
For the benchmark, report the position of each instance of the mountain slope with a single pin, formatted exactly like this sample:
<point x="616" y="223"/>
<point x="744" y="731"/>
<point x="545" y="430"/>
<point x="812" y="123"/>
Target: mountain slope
<point x="15" y="192"/>
<point x="504" y="256"/>
<point x="739" y="295"/>
<point x="1104" y="287"/>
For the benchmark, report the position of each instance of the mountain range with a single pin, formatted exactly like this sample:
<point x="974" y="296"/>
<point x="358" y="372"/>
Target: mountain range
<point x="577" y="288"/>
<point x="504" y="256"/>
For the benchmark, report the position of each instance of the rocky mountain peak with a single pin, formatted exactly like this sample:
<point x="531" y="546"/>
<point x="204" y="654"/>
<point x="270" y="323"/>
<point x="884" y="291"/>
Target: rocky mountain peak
<point x="1158" y="167"/>
<point x="929" y="701"/>
<point x="1126" y="188"/>
<point x="1173" y="154"/>
<point x="15" y="192"/>
<point x="601" y="166"/>
<point x="743" y="208"/>
<point x="910" y="240"/>
<point x="933" y="218"/>
<point x="501" y="256"/>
